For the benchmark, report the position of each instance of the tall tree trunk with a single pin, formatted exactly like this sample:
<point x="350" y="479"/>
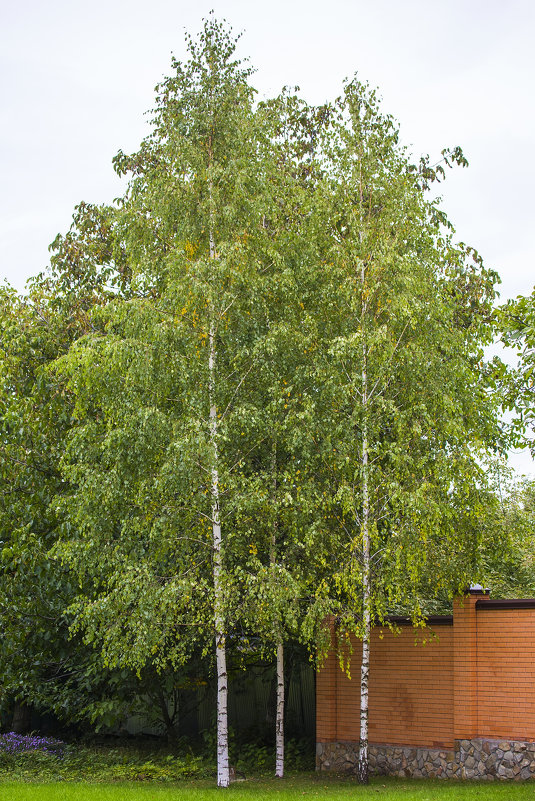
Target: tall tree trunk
<point x="223" y="774"/>
<point x="171" y="728"/>
<point x="362" y="766"/>
<point x="219" y="615"/>
<point x="362" y="769"/>
<point x="22" y="718"/>
<point x="279" y="722"/>
<point x="279" y="716"/>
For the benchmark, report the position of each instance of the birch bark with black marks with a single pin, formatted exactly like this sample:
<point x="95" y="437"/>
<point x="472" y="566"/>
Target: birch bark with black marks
<point x="279" y="716"/>
<point x="223" y="778"/>
<point x="362" y="766"/>
<point x="223" y="774"/>
<point x="279" y="723"/>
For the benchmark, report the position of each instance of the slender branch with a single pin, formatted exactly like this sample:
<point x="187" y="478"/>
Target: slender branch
<point x="370" y="396"/>
<point x="235" y="391"/>
<point x="47" y="471"/>
<point x="225" y="310"/>
<point x="244" y="455"/>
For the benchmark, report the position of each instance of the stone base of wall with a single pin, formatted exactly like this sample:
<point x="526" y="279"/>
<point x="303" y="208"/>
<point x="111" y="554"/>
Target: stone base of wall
<point x="469" y="759"/>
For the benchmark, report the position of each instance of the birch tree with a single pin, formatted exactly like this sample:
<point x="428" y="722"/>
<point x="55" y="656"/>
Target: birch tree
<point x="278" y="514"/>
<point x="282" y="412"/>
<point x="400" y="374"/>
<point x="170" y="369"/>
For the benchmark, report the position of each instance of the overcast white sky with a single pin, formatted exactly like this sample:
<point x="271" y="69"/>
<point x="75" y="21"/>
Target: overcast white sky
<point x="77" y="77"/>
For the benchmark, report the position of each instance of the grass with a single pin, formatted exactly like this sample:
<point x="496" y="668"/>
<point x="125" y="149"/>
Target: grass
<point x="130" y="772"/>
<point x="295" y="788"/>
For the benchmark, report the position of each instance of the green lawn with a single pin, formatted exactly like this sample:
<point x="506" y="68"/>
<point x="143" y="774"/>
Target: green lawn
<point x="291" y="789"/>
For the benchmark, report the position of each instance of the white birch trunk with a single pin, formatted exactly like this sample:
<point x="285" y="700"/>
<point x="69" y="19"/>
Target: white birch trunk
<point x="279" y="723"/>
<point x="223" y="774"/>
<point x="362" y="767"/>
<point x="279" y="711"/>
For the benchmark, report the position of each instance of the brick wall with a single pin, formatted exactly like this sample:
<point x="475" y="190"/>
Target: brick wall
<point x="506" y="673"/>
<point x="411" y="691"/>
<point x="462" y="705"/>
<point x="474" y="679"/>
<point x="327" y="680"/>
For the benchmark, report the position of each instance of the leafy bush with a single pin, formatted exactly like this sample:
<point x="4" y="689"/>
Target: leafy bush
<point x="33" y="758"/>
<point x="299" y="754"/>
<point x="255" y="758"/>
<point x="171" y="769"/>
<point x="44" y="759"/>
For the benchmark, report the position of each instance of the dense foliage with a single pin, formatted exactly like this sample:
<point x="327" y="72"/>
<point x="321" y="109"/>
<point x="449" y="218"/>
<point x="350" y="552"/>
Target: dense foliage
<point x="516" y="320"/>
<point x="249" y="395"/>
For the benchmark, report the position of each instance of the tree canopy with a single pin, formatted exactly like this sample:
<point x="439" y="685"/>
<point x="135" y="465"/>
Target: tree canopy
<point x="256" y="396"/>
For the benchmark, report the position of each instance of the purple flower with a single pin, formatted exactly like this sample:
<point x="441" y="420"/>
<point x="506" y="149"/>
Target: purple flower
<point x="12" y="743"/>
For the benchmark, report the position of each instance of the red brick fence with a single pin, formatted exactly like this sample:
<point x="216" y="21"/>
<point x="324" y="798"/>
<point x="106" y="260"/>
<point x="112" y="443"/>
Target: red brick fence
<point x="461" y="705"/>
